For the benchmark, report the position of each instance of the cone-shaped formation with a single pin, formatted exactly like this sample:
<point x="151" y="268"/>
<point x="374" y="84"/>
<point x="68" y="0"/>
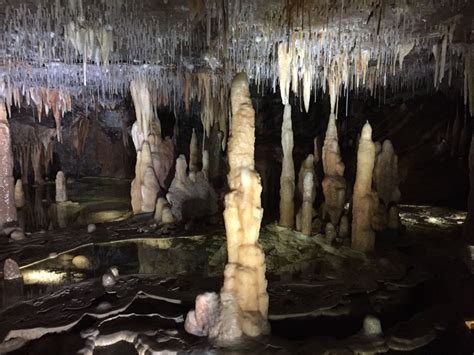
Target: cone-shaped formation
<point x="306" y="197"/>
<point x="307" y="205"/>
<point x="243" y="303"/>
<point x="365" y="200"/>
<point x="7" y="182"/>
<point x="334" y="184"/>
<point x="194" y="153"/>
<point x="287" y="178"/>
<point x="61" y="191"/>
<point x="19" y="194"/>
<point x="155" y="156"/>
<point x="190" y="196"/>
<point x="386" y="180"/>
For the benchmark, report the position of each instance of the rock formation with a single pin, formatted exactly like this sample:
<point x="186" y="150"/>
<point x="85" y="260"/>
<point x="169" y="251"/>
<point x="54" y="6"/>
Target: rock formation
<point x="307" y="205"/>
<point x="7" y="182"/>
<point x="155" y="155"/>
<point x="19" y="194"/>
<point x="334" y="184"/>
<point x="306" y="197"/>
<point x="243" y="304"/>
<point x="61" y="190"/>
<point x="190" y="196"/>
<point x="364" y="200"/>
<point x="386" y="180"/>
<point x="287" y="178"/>
<point x="194" y="153"/>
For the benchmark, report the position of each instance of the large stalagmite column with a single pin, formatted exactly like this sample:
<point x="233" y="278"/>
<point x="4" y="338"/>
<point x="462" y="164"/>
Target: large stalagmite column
<point x="7" y="182"/>
<point x="244" y="275"/>
<point x="469" y="223"/>
<point x="287" y="178"/>
<point x="365" y="200"/>
<point x="334" y="184"/>
<point x="243" y="305"/>
<point x="146" y="134"/>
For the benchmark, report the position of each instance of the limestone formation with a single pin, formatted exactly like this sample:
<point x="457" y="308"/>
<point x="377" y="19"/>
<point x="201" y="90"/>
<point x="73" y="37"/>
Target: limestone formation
<point x="393" y="218"/>
<point x="19" y="194"/>
<point x="190" y="196"/>
<point x="61" y="190"/>
<point x="194" y="153"/>
<point x="364" y="200"/>
<point x="334" y="184"/>
<point x="205" y="163"/>
<point x="155" y="155"/>
<point x="7" y="182"/>
<point x="344" y="227"/>
<point x="287" y="178"/>
<point x="11" y="271"/>
<point x="243" y="300"/>
<point x="386" y="180"/>
<point x="307" y="204"/>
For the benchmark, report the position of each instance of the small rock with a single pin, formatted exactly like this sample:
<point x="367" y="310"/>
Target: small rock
<point x="108" y="280"/>
<point x="372" y="326"/>
<point x="81" y="262"/>
<point x="104" y="306"/>
<point x="11" y="271"/>
<point x="91" y="228"/>
<point x="114" y="271"/>
<point x="17" y="234"/>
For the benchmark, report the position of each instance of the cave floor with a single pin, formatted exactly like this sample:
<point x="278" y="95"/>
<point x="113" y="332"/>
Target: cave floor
<point x="418" y="284"/>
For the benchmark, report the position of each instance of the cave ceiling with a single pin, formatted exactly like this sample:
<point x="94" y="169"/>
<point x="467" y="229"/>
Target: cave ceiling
<point x="191" y="48"/>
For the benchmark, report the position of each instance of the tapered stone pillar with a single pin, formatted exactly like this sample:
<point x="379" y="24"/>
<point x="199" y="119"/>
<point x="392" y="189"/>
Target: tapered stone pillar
<point x="365" y="200"/>
<point x="7" y="183"/>
<point x="287" y="178"/>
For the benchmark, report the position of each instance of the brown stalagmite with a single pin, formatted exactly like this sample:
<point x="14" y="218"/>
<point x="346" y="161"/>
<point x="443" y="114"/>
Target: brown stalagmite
<point x="307" y="166"/>
<point x="287" y="178"/>
<point x="365" y="200"/>
<point x="334" y="184"/>
<point x="193" y="153"/>
<point x="61" y="192"/>
<point x="7" y="182"/>
<point x="307" y="206"/>
<point x="386" y="178"/>
<point x="243" y="304"/>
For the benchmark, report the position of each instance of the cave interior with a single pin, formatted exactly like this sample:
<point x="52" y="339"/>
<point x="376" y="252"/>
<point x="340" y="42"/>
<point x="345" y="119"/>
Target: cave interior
<point x="236" y="176"/>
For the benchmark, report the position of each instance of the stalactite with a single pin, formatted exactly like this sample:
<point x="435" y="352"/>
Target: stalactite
<point x="284" y="71"/>
<point x="364" y="200"/>
<point x="287" y="178"/>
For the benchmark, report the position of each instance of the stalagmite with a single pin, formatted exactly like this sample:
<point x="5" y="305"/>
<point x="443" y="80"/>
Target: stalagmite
<point x="386" y="180"/>
<point x="194" y="153"/>
<point x="61" y="192"/>
<point x="365" y="200"/>
<point x="155" y="155"/>
<point x="7" y="182"/>
<point x="307" y="205"/>
<point x="243" y="304"/>
<point x="469" y="223"/>
<point x="287" y="178"/>
<point x="190" y="196"/>
<point x="334" y="184"/>
<point x="19" y="194"/>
